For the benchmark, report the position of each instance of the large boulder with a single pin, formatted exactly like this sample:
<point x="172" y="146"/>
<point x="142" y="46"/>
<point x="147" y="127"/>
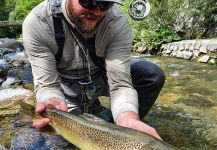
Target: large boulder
<point x="3" y="70"/>
<point x="11" y="44"/>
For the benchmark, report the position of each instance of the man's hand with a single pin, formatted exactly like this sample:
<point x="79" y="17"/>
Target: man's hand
<point x="131" y="120"/>
<point x="41" y="106"/>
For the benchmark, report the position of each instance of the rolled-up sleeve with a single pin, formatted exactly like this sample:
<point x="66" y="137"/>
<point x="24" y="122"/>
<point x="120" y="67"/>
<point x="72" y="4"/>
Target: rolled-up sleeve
<point x="123" y="95"/>
<point x="41" y="57"/>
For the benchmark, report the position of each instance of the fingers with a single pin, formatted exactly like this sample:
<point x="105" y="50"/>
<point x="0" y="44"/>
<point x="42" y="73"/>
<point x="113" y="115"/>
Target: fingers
<point x="41" y="123"/>
<point x="58" y="106"/>
<point x="41" y="107"/>
<point x="57" y="103"/>
<point x="64" y="106"/>
<point x="131" y="120"/>
<point x="141" y="126"/>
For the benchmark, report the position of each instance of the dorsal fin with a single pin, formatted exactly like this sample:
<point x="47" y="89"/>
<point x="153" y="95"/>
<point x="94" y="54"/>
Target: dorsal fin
<point x="90" y="117"/>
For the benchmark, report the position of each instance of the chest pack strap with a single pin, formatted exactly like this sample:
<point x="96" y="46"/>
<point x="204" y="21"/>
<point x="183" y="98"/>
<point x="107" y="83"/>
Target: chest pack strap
<point x="59" y="37"/>
<point x="89" y="43"/>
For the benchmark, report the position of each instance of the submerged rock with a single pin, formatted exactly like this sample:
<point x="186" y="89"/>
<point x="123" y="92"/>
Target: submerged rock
<point x="4" y="51"/>
<point x="10" y="57"/>
<point x="20" y="59"/>
<point x="16" y="58"/>
<point x="9" y="81"/>
<point x="32" y="139"/>
<point x="3" y="148"/>
<point x="3" y="69"/>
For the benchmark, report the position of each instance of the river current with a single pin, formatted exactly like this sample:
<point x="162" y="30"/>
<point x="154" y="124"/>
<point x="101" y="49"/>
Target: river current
<point x="184" y="114"/>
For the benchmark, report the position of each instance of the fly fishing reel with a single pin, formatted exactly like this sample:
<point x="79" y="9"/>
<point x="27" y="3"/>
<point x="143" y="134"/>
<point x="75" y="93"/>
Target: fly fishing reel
<point x="139" y="9"/>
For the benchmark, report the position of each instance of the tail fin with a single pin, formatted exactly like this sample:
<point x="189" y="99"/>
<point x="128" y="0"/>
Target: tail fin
<point x="27" y="108"/>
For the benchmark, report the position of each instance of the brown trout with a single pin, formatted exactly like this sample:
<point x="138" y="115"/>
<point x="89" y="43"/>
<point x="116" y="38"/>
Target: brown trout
<point x="91" y="133"/>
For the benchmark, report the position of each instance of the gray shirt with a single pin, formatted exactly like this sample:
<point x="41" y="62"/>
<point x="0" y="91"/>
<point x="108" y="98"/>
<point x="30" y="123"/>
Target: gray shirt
<point x="113" y="42"/>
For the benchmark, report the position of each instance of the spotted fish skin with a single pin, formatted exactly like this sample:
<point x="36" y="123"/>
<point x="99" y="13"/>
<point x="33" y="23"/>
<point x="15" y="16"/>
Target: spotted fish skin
<point x="91" y="133"/>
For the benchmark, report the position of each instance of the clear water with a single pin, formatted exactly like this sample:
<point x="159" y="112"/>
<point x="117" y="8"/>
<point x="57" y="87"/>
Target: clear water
<point x="184" y="114"/>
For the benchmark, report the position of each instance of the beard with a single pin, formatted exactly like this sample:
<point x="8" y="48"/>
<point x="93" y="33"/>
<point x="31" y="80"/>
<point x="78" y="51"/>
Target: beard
<point x="86" y="22"/>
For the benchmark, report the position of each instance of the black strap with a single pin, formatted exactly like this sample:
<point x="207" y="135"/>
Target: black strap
<point x="59" y="37"/>
<point x="89" y="45"/>
<point x="60" y="40"/>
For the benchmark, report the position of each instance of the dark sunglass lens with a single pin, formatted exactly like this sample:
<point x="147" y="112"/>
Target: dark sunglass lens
<point x="104" y="6"/>
<point x="83" y="2"/>
<point x="88" y="4"/>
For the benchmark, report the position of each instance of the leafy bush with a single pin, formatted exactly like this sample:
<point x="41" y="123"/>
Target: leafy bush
<point x="160" y="36"/>
<point x="189" y="19"/>
<point x="14" y="10"/>
<point x="6" y="6"/>
<point x="23" y="7"/>
<point x="157" y="27"/>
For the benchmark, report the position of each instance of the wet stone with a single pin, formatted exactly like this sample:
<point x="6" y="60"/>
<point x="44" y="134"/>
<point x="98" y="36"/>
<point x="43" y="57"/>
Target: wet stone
<point x="25" y="75"/>
<point x="3" y="148"/>
<point x="3" y="69"/>
<point x="4" y="51"/>
<point x="12" y="92"/>
<point x="32" y="139"/>
<point x="10" y="57"/>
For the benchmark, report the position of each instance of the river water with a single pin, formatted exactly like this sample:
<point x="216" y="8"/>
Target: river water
<point x="184" y="114"/>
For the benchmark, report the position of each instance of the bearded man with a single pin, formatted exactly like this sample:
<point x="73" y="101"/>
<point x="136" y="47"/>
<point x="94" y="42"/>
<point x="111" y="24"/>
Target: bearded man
<point x="79" y="50"/>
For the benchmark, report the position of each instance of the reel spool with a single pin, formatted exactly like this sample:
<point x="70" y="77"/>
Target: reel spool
<point x="139" y="9"/>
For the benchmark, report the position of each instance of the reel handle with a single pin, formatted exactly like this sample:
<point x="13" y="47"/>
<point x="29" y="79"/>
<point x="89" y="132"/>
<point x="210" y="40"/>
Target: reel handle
<point x="139" y="9"/>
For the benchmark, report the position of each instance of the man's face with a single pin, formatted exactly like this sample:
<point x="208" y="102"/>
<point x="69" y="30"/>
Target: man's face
<point x="85" y="20"/>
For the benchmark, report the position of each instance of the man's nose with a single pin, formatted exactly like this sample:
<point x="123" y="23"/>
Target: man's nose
<point x="96" y="11"/>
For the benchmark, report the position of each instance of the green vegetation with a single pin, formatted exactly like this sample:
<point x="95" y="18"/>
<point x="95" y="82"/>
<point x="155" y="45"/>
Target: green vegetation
<point x="159" y="36"/>
<point x="172" y="20"/>
<point x="169" y="20"/>
<point x="14" y="10"/>
<point x="23" y="7"/>
<point x="6" y="6"/>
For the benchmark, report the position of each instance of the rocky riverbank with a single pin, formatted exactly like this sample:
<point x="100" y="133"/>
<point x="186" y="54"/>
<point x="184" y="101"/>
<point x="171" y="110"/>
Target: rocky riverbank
<point x="204" y="51"/>
<point x="14" y="65"/>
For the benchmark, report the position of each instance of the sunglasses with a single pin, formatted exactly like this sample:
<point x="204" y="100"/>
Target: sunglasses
<point x="91" y="4"/>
